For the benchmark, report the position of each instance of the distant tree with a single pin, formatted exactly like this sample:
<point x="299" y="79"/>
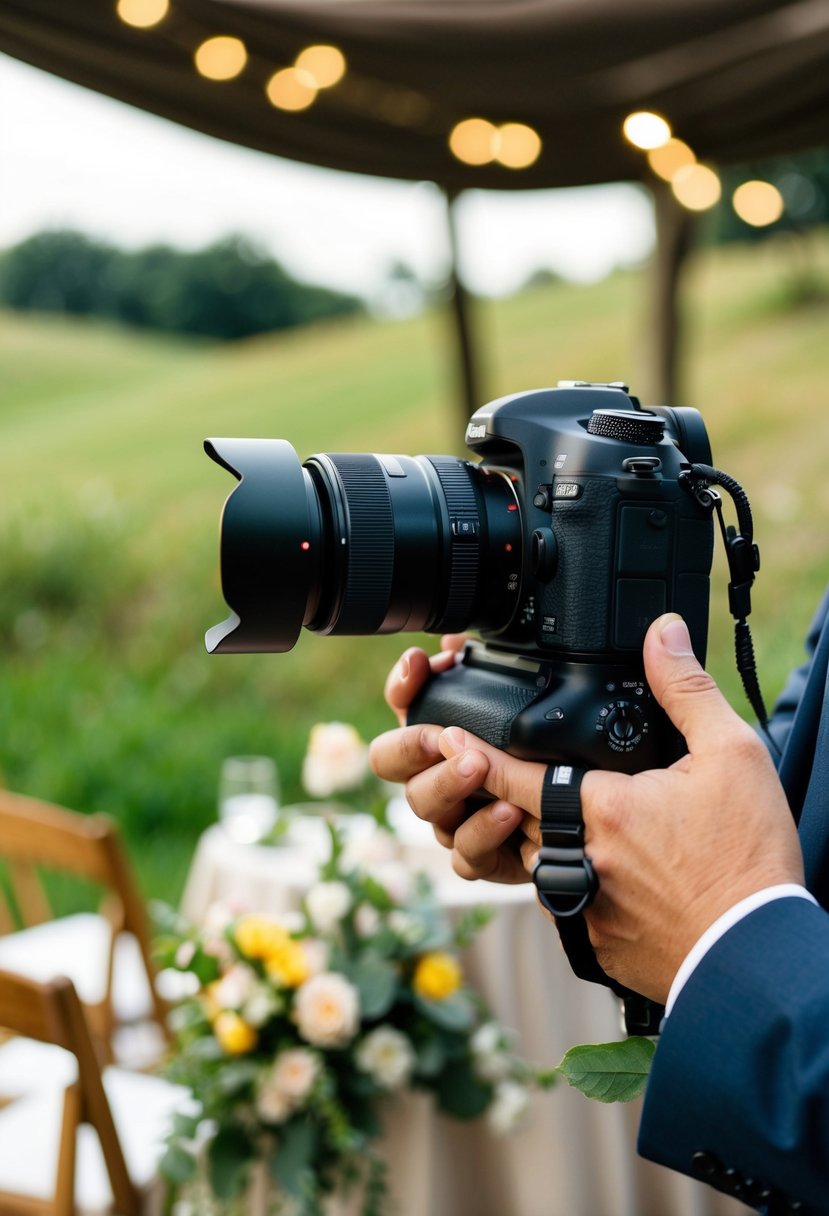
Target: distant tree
<point x="229" y="290"/>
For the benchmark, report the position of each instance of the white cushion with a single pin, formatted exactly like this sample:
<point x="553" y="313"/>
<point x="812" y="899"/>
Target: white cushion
<point x="77" y="946"/>
<point x="142" y="1109"/>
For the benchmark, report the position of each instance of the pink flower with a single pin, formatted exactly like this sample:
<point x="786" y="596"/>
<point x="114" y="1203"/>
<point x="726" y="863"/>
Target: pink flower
<point x="327" y="1010"/>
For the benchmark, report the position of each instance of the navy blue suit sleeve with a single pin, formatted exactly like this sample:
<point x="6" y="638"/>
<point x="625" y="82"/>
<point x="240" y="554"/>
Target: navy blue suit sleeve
<point x="740" y="1079"/>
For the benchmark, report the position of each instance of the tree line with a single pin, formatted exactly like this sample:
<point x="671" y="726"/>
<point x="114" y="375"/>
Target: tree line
<point x="228" y="290"/>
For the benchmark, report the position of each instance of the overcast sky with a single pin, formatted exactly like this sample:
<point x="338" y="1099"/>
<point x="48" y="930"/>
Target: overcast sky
<point x="71" y="158"/>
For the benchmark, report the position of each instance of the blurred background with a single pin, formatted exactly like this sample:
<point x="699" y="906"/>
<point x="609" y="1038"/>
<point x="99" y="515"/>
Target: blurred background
<point x="158" y="285"/>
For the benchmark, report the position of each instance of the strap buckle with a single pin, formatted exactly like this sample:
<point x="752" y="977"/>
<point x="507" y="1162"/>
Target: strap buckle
<point x="564" y="878"/>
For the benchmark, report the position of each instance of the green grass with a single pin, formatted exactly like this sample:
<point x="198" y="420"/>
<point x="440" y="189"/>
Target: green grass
<point x="109" y="513"/>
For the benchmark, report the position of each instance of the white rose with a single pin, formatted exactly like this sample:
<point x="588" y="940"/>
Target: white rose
<point x="327" y="904"/>
<point x="272" y="1104"/>
<point x="396" y="879"/>
<point x="261" y="1005"/>
<point x="366" y="920"/>
<point x="509" y="1105"/>
<point x="235" y="986"/>
<point x="407" y="927"/>
<point x="387" y="1056"/>
<point x="364" y="853"/>
<point x="489" y="1049"/>
<point x="327" y="1010"/>
<point x="337" y="759"/>
<point x="295" y="1071"/>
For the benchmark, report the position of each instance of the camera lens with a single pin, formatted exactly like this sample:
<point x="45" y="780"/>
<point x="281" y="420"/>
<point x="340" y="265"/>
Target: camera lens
<point x="358" y="543"/>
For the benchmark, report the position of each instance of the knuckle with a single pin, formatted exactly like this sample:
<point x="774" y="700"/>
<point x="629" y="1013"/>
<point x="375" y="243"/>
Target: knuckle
<point x="691" y="682"/>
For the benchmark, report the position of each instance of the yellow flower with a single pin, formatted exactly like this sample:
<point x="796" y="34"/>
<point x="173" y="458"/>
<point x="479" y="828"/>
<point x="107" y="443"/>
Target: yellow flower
<point x="234" y="1034"/>
<point x="288" y="964"/>
<point x="259" y="936"/>
<point x="437" y="976"/>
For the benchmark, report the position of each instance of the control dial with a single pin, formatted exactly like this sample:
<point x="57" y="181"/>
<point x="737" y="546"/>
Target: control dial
<point x="624" y="725"/>
<point x="629" y="426"/>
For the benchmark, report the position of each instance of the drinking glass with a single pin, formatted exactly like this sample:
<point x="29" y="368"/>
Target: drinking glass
<point x="248" y="797"/>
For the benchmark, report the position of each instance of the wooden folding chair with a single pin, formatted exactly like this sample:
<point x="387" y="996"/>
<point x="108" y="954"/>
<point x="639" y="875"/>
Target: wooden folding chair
<point x="107" y="953"/>
<point x="40" y="1134"/>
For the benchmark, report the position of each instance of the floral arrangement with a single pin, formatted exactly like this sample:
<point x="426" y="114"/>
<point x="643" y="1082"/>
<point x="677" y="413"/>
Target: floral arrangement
<point x="301" y="1027"/>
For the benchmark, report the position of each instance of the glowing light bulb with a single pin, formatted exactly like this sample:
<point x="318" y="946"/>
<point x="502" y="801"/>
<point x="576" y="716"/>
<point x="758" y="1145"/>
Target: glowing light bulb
<point x="518" y="146"/>
<point x="221" y="58"/>
<point x="669" y="158"/>
<point x="645" y="130"/>
<point x="758" y="203"/>
<point x="325" y="63"/>
<point x="142" y="13"/>
<point x="291" y="89"/>
<point x="474" y="141"/>
<point x="697" y="187"/>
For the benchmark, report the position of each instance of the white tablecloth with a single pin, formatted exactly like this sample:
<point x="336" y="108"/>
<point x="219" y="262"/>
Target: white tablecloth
<point x="572" y="1157"/>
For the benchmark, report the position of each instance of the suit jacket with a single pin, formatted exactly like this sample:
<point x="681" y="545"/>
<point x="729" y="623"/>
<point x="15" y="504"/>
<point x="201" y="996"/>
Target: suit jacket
<point x="739" y="1088"/>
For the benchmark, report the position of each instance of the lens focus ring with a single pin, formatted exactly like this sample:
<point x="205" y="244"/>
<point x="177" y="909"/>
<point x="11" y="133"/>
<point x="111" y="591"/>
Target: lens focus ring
<point x="465" y="543"/>
<point x="370" y="541"/>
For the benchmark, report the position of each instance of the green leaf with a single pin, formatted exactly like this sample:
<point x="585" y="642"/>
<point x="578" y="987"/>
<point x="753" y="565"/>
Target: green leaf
<point x="376" y="981"/>
<point x="177" y="1165"/>
<point x="229" y="1155"/>
<point x="460" y="1093"/>
<point x="431" y="1056"/>
<point x="291" y="1164"/>
<point x="456" y="1012"/>
<point x="185" y="1126"/>
<point x="609" y="1072"/>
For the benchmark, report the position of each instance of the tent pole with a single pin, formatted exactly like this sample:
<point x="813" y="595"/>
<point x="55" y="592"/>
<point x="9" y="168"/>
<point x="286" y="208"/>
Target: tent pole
<point x="674" y="229"/>
<point x="468" y="378"/>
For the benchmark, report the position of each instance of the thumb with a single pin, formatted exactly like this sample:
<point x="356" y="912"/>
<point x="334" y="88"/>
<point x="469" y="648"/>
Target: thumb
<point x="683" y="688"/>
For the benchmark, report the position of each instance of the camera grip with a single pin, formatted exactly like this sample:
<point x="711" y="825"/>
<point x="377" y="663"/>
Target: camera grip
<point x="482" y="702"/>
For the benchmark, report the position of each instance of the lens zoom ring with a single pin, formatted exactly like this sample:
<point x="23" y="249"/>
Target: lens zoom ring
<point x="370" y="539"/>
<point x="465" y="549"/>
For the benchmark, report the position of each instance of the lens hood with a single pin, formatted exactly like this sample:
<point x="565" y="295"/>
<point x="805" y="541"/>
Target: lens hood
<point x="269" y="546"/>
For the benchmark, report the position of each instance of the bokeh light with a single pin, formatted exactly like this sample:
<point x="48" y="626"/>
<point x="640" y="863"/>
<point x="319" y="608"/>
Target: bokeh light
<point x="325" y="63"/>
<point x="474" y="141"/>
<point x="646" y="130"/>
<point x="221" y="58"/>
<point x="142" y="13"/>
<point x="758" y="203"/>
<point x="517" y="146"/>
<point x="697" y="187"/>
<point x="669" y="158"/>
<point x="291" y="89"/>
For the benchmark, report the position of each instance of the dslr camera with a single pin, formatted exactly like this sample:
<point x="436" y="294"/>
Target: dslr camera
<point x="577" y="526"/>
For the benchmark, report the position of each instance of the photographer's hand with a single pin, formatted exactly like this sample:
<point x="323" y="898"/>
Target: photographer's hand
<point x="675" y="848"/>
<point x="442" y="768"/>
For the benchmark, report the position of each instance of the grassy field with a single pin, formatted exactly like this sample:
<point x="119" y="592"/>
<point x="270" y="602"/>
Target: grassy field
<point x="109" y="510"/>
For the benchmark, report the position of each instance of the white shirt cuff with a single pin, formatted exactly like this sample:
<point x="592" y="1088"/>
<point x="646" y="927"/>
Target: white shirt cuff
<point x="721" y="926"/>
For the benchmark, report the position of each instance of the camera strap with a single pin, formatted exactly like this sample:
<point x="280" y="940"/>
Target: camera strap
<point x="566" y="883"/>
<point x="563" y="876"/>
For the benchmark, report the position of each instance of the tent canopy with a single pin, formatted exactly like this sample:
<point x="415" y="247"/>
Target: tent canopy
<point x="737" y="79"/>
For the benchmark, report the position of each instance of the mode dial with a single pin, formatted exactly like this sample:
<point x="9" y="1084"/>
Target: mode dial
<point x="623" y="724"/>
<point x="629" y="426"/>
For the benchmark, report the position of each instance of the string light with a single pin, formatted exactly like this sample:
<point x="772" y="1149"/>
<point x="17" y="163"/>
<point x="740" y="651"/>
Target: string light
<point x="517" y="146"/>
<point x="758" y="203"/>
<point x="326" y="64"/>
<point x="221" y="58"/>
<point x="142" y="13"/>
<point x="476" y="141"/>
<point x="473" y="141"/>
<point x="697" y="187"/>
<point x="669" y="158"/>
<point x="291" y="89"/>
<point x="646" y="130"/>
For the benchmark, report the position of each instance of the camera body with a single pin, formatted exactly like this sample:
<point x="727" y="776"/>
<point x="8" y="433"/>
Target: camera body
<point x="611" y="540"/>
<point x="573" y="531"/>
